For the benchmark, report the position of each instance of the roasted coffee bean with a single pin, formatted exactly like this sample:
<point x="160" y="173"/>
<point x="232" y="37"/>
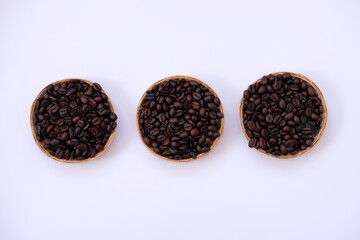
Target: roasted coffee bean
<point x="178" y="105"/>
<point x="289" y="116"/>
<point x="288" y="120"/>
<point x="269" y="118"/>
<point x="282" y="104"/>
<point x="194" y="132"/>
<point x="78" y="120"/>
<point x="252" y="142"/>
<point x="277" y="119"/>
<point x="187" y="122"/>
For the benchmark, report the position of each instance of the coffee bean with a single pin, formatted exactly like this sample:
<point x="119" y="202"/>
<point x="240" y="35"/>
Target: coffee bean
<point x="261" y="89"/>
<point x="178" y="105"/>
<point x="187" y="127"/>
<point x="282" y="114"/>
<point x="209" y="141"/>
<point x="282" y="104"/>
<point x="247" y="94"/>
<point x="283" y="149"/>
<point x="314" y="116"/>
<point x="161" y="117"/>
<point x="112" y="116"/>
<point x="212" y="106"/>
<point x="311" y="91"/>
<point x="70" y="91"/>
<point x="277" y="119"/>
<point x="99" y="147"/>
<point x="187" y="121"/>
<point x="287" y="128"/>
<point x="95" y="121"/>
<point x="94" y="131"/>
<point x="269" y="118"/>
<point x="309" y="142"/>
<point x="290" y="143"/>
<point x="197" y="96"/>
<point x="76" y="112"/>
<point x="252" y="142"/>
<point x="194" y="132"/>
<point x="155" y="132"/>
<point x="184" y="135"/>
<point x="251" y="125"/>
<point x="289" y="116"/>
<point x="84" y="99"/>
<point x="202" y="112"/>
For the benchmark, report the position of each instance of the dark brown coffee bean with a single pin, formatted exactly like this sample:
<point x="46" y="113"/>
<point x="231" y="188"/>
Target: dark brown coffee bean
<point x="197" y="96"/>
<point x="112" y="116"/>
<point x="309" y="142"/>
<point x="274" y="97"/>
<point x="282" y="104"/>
<point x="310" y="91"/>
<point x="283" y="149"/>
<point x="217" y="101"/>
<point x="261" y="90"/>
<point x="272" y="141"/>
<point x="202" y="112"/>
<point x="178" y="105"/>
<point x="84" y="99"/>
<point x="289" y="116"/>
<point x="95" y="121"/>
<point x="155" y="132"/>
<point x="187" y="127"/>
<point x="184" y="135"/>
<point x="212" y="128"/>
<point x="252" y="142"/>
<point x="209" y="141"/>
<point x="269" y="118"/>
<point x="94" y="131"/>
<point x="251" y="125"/>
<point x="247" y="94"/>
<point x="287" y="128"/>
<point x="277" y="119"/>
<point x="162" y="117"/>
<point x="277" y="85"/>
<point x="290" y="143"/>
<point x="99" y="147"/>
<point x="194" y="132"/>
<point x="212" y="106"/>
<point x="314" y="116"/>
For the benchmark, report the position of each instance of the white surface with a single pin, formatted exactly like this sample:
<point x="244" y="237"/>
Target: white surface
<point x="233" y="193"/>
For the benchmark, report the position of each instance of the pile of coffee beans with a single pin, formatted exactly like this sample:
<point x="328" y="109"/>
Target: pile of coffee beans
<point x="282" y="114"/>
<point x="73" y="120"/>
<point x="180" y="119"/>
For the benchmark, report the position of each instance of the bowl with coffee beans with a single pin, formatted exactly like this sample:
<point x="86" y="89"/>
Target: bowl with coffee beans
<point x="73" y="120"/>
<point x="180" y="118"/>
<point x="283" y="114"/>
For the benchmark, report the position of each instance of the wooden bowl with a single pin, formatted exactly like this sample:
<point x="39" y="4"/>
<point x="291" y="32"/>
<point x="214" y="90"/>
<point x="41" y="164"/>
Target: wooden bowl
<point x="324" y="116"/>
<point x="187" y="78"/>
<point x="41" y="143"/>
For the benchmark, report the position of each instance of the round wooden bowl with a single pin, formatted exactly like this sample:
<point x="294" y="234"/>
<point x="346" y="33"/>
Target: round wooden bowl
<point x="324" y="116"/>
<point x="187" y="78"/>
<point x="40" y="143"/>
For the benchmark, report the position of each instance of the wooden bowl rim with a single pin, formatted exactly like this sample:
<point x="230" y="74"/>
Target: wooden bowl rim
<point x="324" y="115"/>
<point x="187" y="78"/>
<point x="107" y="145"/>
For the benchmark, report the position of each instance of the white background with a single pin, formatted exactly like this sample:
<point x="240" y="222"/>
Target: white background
<point x="233" y="193"/>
